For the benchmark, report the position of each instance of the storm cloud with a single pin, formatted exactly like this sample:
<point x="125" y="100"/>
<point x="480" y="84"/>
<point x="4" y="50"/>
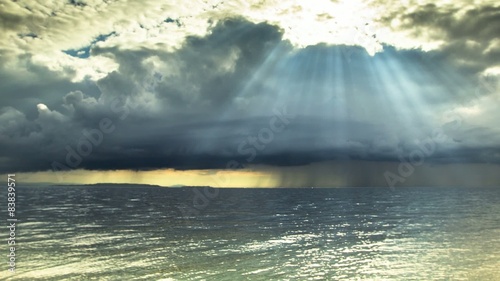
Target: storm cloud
<point x="240" y="92"/>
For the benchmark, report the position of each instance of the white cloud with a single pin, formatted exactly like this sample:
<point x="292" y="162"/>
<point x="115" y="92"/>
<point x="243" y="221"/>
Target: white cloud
<point x="56" y="26"/>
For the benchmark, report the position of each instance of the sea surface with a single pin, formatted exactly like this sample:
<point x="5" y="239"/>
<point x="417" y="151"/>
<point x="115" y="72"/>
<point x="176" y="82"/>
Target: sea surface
<point x="153" y="233"/>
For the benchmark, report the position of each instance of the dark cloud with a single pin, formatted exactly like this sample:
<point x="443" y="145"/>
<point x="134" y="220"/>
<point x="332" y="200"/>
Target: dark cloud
<point x="205" y="70"/>
<point x="9" y="21"/>
<point x="239" y="96"/>
<point x="467" y="33"/>
<point x="24" y="87"/>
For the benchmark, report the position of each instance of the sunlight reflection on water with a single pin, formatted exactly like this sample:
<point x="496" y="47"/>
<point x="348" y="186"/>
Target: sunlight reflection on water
<point x="107" y="233"/>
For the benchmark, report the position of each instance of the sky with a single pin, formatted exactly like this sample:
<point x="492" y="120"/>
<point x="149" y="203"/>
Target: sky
<point x="251" y="93"/>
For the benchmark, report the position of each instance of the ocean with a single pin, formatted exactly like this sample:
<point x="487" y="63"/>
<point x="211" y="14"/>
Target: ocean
<point x="110" y="232"/>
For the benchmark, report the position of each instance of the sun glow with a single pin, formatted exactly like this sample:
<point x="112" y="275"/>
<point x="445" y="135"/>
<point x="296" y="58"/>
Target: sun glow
<point x="312" y="22"/>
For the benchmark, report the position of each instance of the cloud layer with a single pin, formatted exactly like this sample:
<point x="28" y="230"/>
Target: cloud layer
<point x="231" y="85"/>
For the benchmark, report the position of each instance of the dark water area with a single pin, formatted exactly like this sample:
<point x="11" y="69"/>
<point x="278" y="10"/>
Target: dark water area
<point x="154" y="233"/>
